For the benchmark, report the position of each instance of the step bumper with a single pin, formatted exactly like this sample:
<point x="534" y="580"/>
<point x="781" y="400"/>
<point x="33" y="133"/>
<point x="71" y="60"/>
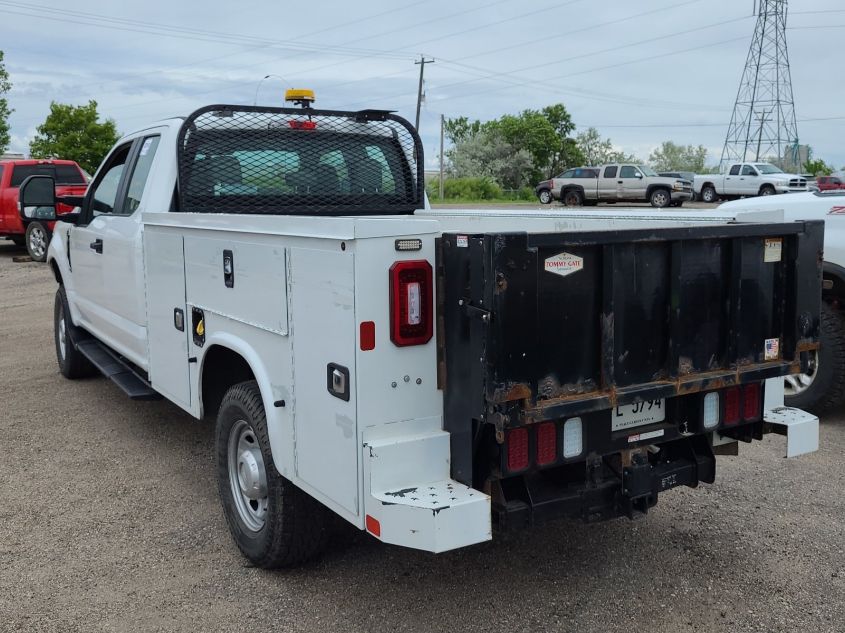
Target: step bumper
<point x="801" y="429"/>
<point x="411" y="501"/>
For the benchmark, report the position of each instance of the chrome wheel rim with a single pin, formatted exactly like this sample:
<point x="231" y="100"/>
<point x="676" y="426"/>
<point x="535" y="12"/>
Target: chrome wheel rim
<point x="545" y="197"/>
<point x="707" y="196"/>
<point x="797" y="384"/>
<point x="37" y="241"/>
<point x="62" y="334"/>
<point x="247" y="476"/>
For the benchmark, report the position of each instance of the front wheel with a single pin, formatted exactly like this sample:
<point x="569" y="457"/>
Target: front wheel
<point x="708" y="194"/>
<point x="660" y="198"/>
<point x="767" y="190"/>
<point x="274" y="523"/>
<point x="72" y="364"/>
<point x="37" y="239"/>
<point x="545" y="196"/>
<point x="823" y="386"/>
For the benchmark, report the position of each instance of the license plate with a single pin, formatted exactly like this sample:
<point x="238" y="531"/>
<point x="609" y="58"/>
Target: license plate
<point x="628" y="416"/>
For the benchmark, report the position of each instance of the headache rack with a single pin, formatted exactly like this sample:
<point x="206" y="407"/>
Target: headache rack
<point x="298" y="161"/>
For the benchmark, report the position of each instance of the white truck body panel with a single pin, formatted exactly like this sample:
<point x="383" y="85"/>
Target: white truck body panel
<point x="745" y="179"/>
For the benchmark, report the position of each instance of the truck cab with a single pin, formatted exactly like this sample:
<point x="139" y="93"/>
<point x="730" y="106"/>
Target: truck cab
<point x="425" y="375"/>
<point x="748" y="180"/>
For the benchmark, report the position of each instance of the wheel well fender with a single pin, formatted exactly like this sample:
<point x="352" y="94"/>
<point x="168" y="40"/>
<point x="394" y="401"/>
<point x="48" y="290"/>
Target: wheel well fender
<point x="766" y="185"/>
<point x="707" y="183"/>
<point x="566" y="188"/>
<point x="54" y="266"/>
<point x="834" y="274"/>
<point x="652" y="188"/>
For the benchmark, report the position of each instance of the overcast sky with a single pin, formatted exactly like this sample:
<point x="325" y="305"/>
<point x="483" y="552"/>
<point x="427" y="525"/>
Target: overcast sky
<point x="642" y="72"/>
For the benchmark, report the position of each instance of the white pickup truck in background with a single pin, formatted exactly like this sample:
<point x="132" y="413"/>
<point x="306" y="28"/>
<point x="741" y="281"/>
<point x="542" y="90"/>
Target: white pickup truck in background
<point x="747" y="179"/>
<point x="425" y="375"/>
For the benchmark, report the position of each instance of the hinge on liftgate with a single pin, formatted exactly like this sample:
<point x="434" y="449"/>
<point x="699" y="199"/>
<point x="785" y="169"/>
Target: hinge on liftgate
<point x="474" y="311"/>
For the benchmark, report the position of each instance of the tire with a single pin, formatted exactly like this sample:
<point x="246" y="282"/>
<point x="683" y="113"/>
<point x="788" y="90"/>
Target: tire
<point x="660" y="198"/>
<point x="823" y="387"/>
<point x="72" y="364"/>
<point x="545" y="196"/>
<point x="37" y="240"/>
<point x="274" y="523"/>
<point x="708" y="195"/>
<point x="572" y="198"/>
<point x="767" y="190"/>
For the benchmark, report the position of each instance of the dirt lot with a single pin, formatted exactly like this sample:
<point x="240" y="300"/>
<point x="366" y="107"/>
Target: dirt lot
<point x="109" y="521"/>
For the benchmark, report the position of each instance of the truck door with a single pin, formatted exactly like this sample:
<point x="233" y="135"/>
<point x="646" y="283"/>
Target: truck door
<point x="114" y="248"/>
<point x="749" y="181"/>
<point x="608" y="183"/>
<point x="631" y="183"/>
<point x="732" y="185"/>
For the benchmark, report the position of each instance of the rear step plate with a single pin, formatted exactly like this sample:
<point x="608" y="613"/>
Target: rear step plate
<point x="116" y="370"/>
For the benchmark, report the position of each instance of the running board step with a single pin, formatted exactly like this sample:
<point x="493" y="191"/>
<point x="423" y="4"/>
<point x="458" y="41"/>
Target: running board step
<point x="116" y="370"/>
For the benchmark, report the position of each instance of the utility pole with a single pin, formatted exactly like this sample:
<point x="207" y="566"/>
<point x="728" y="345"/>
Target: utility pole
<point x="442" y="125"/>
<point x="421" y="63"/>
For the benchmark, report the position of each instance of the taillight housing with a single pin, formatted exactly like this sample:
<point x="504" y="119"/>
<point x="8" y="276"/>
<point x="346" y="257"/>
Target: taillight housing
<point x="517" y="449"/>
<point x="732" y="411"/>
<point x="751" y="402"/>
<point x="411" y="303"/>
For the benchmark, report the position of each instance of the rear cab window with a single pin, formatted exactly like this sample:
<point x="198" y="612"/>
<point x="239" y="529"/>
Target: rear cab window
<point x="735" y="170"/>
<point x="62" y="174"/>
<point x="610" y="172"/>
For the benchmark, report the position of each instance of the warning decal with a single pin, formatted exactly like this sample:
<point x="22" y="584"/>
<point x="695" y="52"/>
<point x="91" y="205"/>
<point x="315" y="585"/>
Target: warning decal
<point x="773" y="250"/>
<point x="564" y="264"/>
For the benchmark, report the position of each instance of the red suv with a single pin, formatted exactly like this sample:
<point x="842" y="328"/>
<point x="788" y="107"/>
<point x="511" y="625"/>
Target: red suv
<point x="70" y="181"/>
<point x="829" y="183"/>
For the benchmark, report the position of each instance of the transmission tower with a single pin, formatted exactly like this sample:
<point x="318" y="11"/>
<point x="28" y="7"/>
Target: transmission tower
<point x="763" y="123"/>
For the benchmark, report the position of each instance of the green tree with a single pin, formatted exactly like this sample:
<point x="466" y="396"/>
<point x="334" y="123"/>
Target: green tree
<point x="5" y="87"/>
<point x="670" y="156"/>
<point x="486" y="154"/>
<point x="817" y="167"/>
<point x="74" y="133"/>
<point x="598" y="151"/>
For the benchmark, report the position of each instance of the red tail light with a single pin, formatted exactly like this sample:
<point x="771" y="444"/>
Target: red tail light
<point x="731" y="406"/>
<point x="751" y="402"/>
<point x="411" y="309"/>
<point x="517" y="440"/>
<point x="546" y="443"/>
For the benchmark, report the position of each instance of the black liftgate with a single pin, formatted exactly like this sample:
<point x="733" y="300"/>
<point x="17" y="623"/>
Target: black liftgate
<point x="546" y="326"/>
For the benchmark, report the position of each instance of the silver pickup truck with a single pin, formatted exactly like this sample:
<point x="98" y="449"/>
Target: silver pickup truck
<point x="614" y="183"/>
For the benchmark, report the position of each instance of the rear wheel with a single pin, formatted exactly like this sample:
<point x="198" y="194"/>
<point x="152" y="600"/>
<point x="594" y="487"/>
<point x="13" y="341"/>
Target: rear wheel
<point x="572" y="198"/>
<point x="545" y="196"/>
<point x="37" y="239"/>
<point x="823" y="386"/>
<point x="708" y="194"/>
<point x="72" y="364"/>
<point x="660" y="198"/>
<point x="274" y="523"/>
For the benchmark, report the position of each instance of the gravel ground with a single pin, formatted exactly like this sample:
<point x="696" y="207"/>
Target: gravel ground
<point x="109" y="520"/>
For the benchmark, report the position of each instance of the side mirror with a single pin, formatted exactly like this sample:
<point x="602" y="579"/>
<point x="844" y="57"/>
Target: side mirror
<point x="37" y="198"/>
<point x="640" y="176"/>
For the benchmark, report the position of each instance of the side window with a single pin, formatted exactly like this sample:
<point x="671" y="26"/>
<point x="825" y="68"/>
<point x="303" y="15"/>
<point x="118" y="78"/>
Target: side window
<point x="332" y="172"/>
<point x="628" y="171"/>
<point x="610" y="172"/>
<point x="376" y="174"/>
<point x="104" y="193"/>
<point x="735" y="170"/>
<point x="748" y="170"/>
<point x="569" y="173"/>
<point x="1" y="173"/>
<point x="139" y="175"/>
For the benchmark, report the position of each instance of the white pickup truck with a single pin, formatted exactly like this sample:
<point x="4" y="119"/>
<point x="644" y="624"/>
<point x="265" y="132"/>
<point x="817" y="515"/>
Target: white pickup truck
<point x="747" y="179"/>
<point x="425" y="375"/>
<point x="822" y="387"/>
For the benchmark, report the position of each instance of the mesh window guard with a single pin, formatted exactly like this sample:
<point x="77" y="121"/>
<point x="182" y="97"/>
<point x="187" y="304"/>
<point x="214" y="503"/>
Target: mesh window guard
<point x="292" y="161"/>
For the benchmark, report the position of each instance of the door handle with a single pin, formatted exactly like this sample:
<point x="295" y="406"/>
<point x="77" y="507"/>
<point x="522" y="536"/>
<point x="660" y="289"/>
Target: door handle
<point x="97" y="245"/>
<point x="620" y="182"/>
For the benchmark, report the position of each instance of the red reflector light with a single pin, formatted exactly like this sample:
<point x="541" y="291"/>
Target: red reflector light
<point x="517" y="449"/>
<point x="367" y="335"/>
<point x="411" y="303"/>
<point x="751" y="402"/>
<point x="303" y="125"/>
<point x="373" y="526"/>
<point x="731" y="406"/>
<point x="546" y="443"/>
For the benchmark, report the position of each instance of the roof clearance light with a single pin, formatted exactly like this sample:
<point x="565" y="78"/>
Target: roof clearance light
<point x="303" y="125"/>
